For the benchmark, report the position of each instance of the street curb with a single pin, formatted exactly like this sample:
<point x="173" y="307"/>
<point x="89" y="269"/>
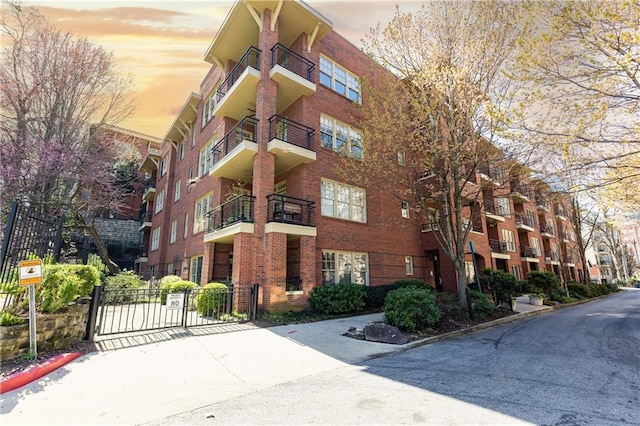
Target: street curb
<point x="31" y="374"/>
<point x="482" y="326"/>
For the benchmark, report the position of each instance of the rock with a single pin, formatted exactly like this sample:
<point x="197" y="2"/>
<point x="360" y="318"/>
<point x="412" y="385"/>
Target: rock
<point x="355" y="332"/>
<point x="385" y="333"/>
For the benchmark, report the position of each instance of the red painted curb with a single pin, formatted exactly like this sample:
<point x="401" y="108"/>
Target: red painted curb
<point x="21" y="378"/>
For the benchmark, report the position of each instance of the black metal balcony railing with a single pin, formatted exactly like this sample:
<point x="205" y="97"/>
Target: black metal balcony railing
<point x="251" y="58"/>
<point x="542" y="201"/>
<point x="523" y="219"/>
<point x="494" y="173"/>
<point x="239" y="209"/>
<point x="291" y="132"/>
<point x="547" y="229"/>
<point x="552" y="255"/>
<point x="569" y="258"/>
<point x="150" y="182"/>
<point x="494" y="208"/>
<point x="286" y="58"/>
<point x="498" y="246"/>
<point x="291" y="210"/>
<point x="560" y="211"/>
<point x="521" y="188"/>
<point x="244" y="130"/>
<point x="146" y="214"/>
<point x="526" y="251"/>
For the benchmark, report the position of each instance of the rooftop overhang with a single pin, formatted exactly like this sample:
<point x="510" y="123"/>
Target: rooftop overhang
<point x="242" y="26"/>
<point x="182" y="124"/>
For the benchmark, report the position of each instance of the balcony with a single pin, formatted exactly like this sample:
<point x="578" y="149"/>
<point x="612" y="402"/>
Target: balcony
<point x="494" y="176"/>
<point x="238" y="91"/>
<point x="229" y="219"/>
<point x="150" y="189"/>
<point x="529" y="253"/>
<point x="290" y="142"/>
<point x="495" y="212"/>
<point x="569" y="260"/>
<point x="542" y="204"/>
<point x="525" y="222"/>
<point x="499" y="249"/>
<point x="521" y="192"/>
<point x="290" y="215"/>
<point x="151" y="160"/>
<point x="146" y="217"/>
<point x="547" y="231"/>
<point x="561" y="213"/>
<point x="293" y="73"/>
<point x="552" y="257"/>
<point x="232" y="157"/>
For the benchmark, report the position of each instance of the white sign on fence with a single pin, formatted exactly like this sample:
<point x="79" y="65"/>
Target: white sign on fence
<point x="175" y="301"/>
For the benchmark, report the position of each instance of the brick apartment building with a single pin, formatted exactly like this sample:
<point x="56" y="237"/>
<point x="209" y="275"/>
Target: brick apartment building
<point x="244" y="188"/>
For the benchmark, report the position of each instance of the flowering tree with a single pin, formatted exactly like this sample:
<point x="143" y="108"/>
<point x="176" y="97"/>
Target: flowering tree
<point x="58" y="94"/>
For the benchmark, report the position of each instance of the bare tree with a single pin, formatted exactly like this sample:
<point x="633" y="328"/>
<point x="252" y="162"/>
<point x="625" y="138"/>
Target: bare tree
<point x="58" y="92"/>
<point x="431" y="114"/>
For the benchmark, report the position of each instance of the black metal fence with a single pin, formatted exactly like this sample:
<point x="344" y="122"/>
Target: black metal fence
<point x="117" y="311"/>
<point x="28" y="232"/>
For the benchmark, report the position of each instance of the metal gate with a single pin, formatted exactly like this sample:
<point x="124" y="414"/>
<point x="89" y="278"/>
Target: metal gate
<point x="28" y="232"/>
<point x="134" y="310"/>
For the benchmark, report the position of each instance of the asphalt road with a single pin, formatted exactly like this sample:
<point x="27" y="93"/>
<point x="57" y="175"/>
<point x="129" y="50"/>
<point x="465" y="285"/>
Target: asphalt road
<point x="574" y="366"/>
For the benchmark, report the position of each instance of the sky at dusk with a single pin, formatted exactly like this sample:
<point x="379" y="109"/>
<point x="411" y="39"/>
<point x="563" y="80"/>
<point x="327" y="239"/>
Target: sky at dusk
<point x="162" y="43"/>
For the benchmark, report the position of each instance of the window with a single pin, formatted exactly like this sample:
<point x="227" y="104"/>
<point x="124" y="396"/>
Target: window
<point x="190" y="178"/>
<point x="470" y="271"/>
<point x="508" y="238"/>
<point x="515" y="271"/>
<point x="195" y="271"/>
<point x="404" y="207"/>
<point x="339" y="79"/>
<point x="163" y="166"/>
<point x="408" y="264"/>
<point x="532" y="218"/>
<point x="176" y="190"/>
<point x="433" y="218"/>
<point x="185" y="232"/>
<point x="208" y="106"/>
<point x="160" y="201"/>
<point x="181" y="151"/>
<point x="203" y="205"/>
<point x="205" y="159"/>
<point x="193" y="138"/>
<point x="535" y="245"/>
<point x="401" y="159"/>
<point x="340" y="138"/>
<point x="344" y="267"/>
<point x="174" y="231"/>
<point x="343" y="201"/>
<point x="170" y="268"/>
<point x="280" y="188"/>
<point x="155" y="238"/>
<point x="503" y="206"/>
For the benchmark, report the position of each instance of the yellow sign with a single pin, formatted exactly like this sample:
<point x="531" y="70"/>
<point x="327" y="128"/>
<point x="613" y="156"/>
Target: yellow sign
<point x="30" y="272"/>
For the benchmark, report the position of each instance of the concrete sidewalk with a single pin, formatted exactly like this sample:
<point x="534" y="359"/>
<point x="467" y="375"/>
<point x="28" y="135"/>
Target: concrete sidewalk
<point x="139" y="379"/>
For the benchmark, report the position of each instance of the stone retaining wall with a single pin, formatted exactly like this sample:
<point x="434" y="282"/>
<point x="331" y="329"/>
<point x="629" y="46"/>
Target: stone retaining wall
<point x="53" y="332"/>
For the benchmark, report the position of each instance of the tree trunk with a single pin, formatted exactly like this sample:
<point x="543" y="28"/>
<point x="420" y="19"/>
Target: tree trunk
<point x="462" y="285"/>
<point x="102" y="248"/>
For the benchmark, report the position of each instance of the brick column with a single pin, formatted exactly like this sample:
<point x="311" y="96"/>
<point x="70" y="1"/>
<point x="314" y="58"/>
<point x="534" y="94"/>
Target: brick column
<point x="308" y="273"/>
<point x="208" y="262"/>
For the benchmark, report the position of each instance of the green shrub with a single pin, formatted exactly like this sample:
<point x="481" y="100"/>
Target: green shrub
<point x="211" y="298"/>
<point x="579" y="289"/>
<point x="411" y="309"/>
<point x="169" y="279"/>
<point x="559" y="295"/>
<point x="482" y="304"/>
<point x="95" y="261"/>
<point x="7" y="318"/>
<point x="500" y="284"/>
<point x="449" y="304"/>
<point x="543" y="282"/>
<point x="180" y="286"/>
<point x="338" y="298"/>
<point x="63" y="284"/>
<point x="424" y="285"/>
<point x="124" y="281"/>
<point x="375" y="295"/>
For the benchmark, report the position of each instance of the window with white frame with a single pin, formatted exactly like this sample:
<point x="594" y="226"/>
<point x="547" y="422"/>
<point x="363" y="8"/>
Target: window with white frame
<point x="185" y="232"/>
<point x="344" y="267"/>
<point x="181" y="151"/>
<point x="343" y="201"/>
<point x="408" y="265"/>
<point x="177" y="189"/>
<point x="205" y="158"/>
<point x="203" y="205"/>
<point x="515" y="271"/>
<point x="401" y="159"/>
<point x="195" y="269"/>
<point x="535" y="245"/>
<point x="503" y="206"/>
<point x="193" y="137"/>
<point x="163" y="166"/>
<point x="160" y="201"/>
<point x="340" y="80"/>
<point x="404" y="208"/>
<point x="170" y="268"/>
<point x="208" y="106"/>
<point x="340" y="138"/>
<point x="174" y="231"/>
<point x="509" y="238"/>
<point x="155" y="238"/>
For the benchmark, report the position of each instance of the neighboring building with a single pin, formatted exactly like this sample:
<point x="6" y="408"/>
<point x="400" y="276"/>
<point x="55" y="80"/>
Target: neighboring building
<point x="244" y="188"/>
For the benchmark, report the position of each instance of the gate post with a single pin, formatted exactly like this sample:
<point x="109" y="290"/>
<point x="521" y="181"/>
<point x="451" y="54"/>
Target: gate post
<point x="185" y="308"/>
<point x="8" y="233"/>
<point x="253" y="304"/>
<point x="96" y="295"/>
